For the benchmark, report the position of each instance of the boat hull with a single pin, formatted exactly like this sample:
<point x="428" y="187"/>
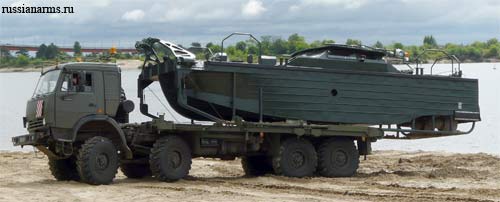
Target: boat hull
<point x="316" y="95"/>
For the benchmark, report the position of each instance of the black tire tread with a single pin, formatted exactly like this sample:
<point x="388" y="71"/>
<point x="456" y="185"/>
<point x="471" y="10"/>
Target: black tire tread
<point x="256" y="165"/>
<point x="324" y="168"/>
<point x="154" y="158"/>
<point x="278" y="169"/>
<point x="63" y="169"/>
<point x="83" y="166"/>
<point x="135" y="171"/>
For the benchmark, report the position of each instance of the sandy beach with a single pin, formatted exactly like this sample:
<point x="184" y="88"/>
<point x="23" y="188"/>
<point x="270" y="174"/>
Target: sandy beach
<point x="384" y="176"/>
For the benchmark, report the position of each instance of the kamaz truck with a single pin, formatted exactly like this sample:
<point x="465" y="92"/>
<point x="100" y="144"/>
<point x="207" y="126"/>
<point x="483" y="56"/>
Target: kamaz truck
<point x="79" y="117"/>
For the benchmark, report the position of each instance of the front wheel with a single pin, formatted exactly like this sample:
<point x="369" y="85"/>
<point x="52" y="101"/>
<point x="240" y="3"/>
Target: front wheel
<point x="97" y="161"/>
<point x="338" y="157"/>
<point x="64" y="169"/>
<point x="170" y="159"/>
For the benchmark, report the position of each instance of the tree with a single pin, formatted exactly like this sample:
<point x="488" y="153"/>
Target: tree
<point x="5" y="53"/>
<point x="52" y="51"/>
<point x="22" y="60"/>
<point x="296" y="43"/>
<point x="252" y="49"/>
<point x="42" y="49"/>
<point x="430" y="41"/>
<point x="196" y="44"/>
<point x="242" y="46"/>
<point x="209" y="44"/>
<point x="214" y="48"/>
<point x="315" y="44"/>
<point x="398" y="45"/>
<point x="353" y="42"/>
<point x="492" y="52"/>
<point x="265" y="42"/>
<point x="473" y="54"/>
<point x="77" y="49"/>
<point x="279" y="46"/>
<point x="328" y="41"/>
<point x="318" y="43"/>
<point x="492" y="42"/>
<point x="378" y="44"/>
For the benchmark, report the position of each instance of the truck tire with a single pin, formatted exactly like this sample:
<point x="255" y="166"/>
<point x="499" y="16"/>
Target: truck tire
<point x="256" y="165"/>
<point x="170" y="159"/>
<point x="135" y="170"/>
<point x="338" y="157"/>
<point x="296" y="158"/>
<point x="63" y="169"/>
<point x="97" y="161"/>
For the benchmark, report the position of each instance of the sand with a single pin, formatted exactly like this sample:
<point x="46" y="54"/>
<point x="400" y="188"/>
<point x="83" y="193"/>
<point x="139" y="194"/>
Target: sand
<point x="384" y="176"/>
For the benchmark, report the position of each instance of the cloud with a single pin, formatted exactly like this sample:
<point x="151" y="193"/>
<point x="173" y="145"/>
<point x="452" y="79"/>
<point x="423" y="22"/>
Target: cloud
<point x="348" y="4"/>
<point x="133" y="15"/>
<point x="104" y="21"/>
<point x="252" y="8"/>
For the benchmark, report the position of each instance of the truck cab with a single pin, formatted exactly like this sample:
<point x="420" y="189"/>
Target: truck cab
<point x="66" y="94"/>
<point x="72" y="102"/>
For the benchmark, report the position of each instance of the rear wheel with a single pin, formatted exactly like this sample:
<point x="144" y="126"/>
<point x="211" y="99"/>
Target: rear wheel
<point x="170" y="159"/>
<point x="135" y="170"/>
<point x="296" y="158"/>
<point x="97" y="161"/>
<point x="338" y="158"/>
<point x="256" y="165"/>
<point x="64" y="169"/>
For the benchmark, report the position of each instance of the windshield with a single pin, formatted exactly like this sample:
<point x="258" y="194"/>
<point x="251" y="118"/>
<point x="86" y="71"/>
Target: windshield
<point x="47" y="83"/>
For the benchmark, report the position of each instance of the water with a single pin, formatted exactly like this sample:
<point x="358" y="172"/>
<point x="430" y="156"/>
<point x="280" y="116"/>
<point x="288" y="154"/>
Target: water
<point x="17" y="88"/>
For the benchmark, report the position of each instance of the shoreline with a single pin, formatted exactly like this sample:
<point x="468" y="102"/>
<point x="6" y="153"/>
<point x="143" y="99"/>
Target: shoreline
<point x="126" y="65"/>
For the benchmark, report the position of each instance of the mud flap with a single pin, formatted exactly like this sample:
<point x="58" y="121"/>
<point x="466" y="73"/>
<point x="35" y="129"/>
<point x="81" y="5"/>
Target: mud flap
<point x="364" y="147"/>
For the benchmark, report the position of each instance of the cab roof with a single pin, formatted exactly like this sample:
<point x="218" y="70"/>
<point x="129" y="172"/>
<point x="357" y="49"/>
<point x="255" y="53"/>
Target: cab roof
<point x="89" y="66"/>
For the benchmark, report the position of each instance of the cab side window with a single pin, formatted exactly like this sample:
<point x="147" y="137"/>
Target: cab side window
<point x="73" y="82"/>
<point x="87" y="86"/>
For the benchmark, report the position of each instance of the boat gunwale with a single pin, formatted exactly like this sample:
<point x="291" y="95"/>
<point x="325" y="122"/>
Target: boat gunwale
<point x="316" y="69"/>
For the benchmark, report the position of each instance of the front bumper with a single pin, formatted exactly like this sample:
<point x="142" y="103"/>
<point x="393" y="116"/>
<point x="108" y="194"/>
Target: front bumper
<point x="29" y="139"/>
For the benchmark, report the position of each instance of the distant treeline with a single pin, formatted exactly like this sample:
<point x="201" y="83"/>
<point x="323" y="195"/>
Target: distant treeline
<point x="50" y="54"/>
<point x="475" y="52"/>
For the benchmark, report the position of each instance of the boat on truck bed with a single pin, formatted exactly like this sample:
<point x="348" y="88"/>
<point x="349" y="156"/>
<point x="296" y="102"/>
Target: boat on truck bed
<point x="333" y="84"/>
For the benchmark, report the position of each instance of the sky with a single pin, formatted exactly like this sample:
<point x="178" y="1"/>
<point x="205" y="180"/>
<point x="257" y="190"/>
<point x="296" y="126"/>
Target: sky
<point x="102" y="23"/>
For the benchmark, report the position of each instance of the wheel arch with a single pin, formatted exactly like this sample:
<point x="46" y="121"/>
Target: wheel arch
<point x="102" y="123"/>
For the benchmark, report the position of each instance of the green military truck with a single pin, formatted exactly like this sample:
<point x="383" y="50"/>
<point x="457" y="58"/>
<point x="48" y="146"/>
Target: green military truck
<point x="78" y="117"/>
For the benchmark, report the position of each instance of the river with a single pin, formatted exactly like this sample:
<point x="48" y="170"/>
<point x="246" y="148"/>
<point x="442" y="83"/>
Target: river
<point x="17" y="87"/>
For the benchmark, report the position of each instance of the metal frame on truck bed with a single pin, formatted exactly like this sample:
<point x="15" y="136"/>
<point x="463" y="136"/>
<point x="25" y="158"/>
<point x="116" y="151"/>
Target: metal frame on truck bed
<point x="249" y="133"/>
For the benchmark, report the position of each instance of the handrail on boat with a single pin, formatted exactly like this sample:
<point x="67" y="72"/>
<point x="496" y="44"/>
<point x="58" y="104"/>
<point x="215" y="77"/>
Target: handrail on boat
<point x="454" y="72"/>
<point x="243" y="34"/>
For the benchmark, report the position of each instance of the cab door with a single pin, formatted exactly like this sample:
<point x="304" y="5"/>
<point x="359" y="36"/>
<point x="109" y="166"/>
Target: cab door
<point x="76" y="97"/>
